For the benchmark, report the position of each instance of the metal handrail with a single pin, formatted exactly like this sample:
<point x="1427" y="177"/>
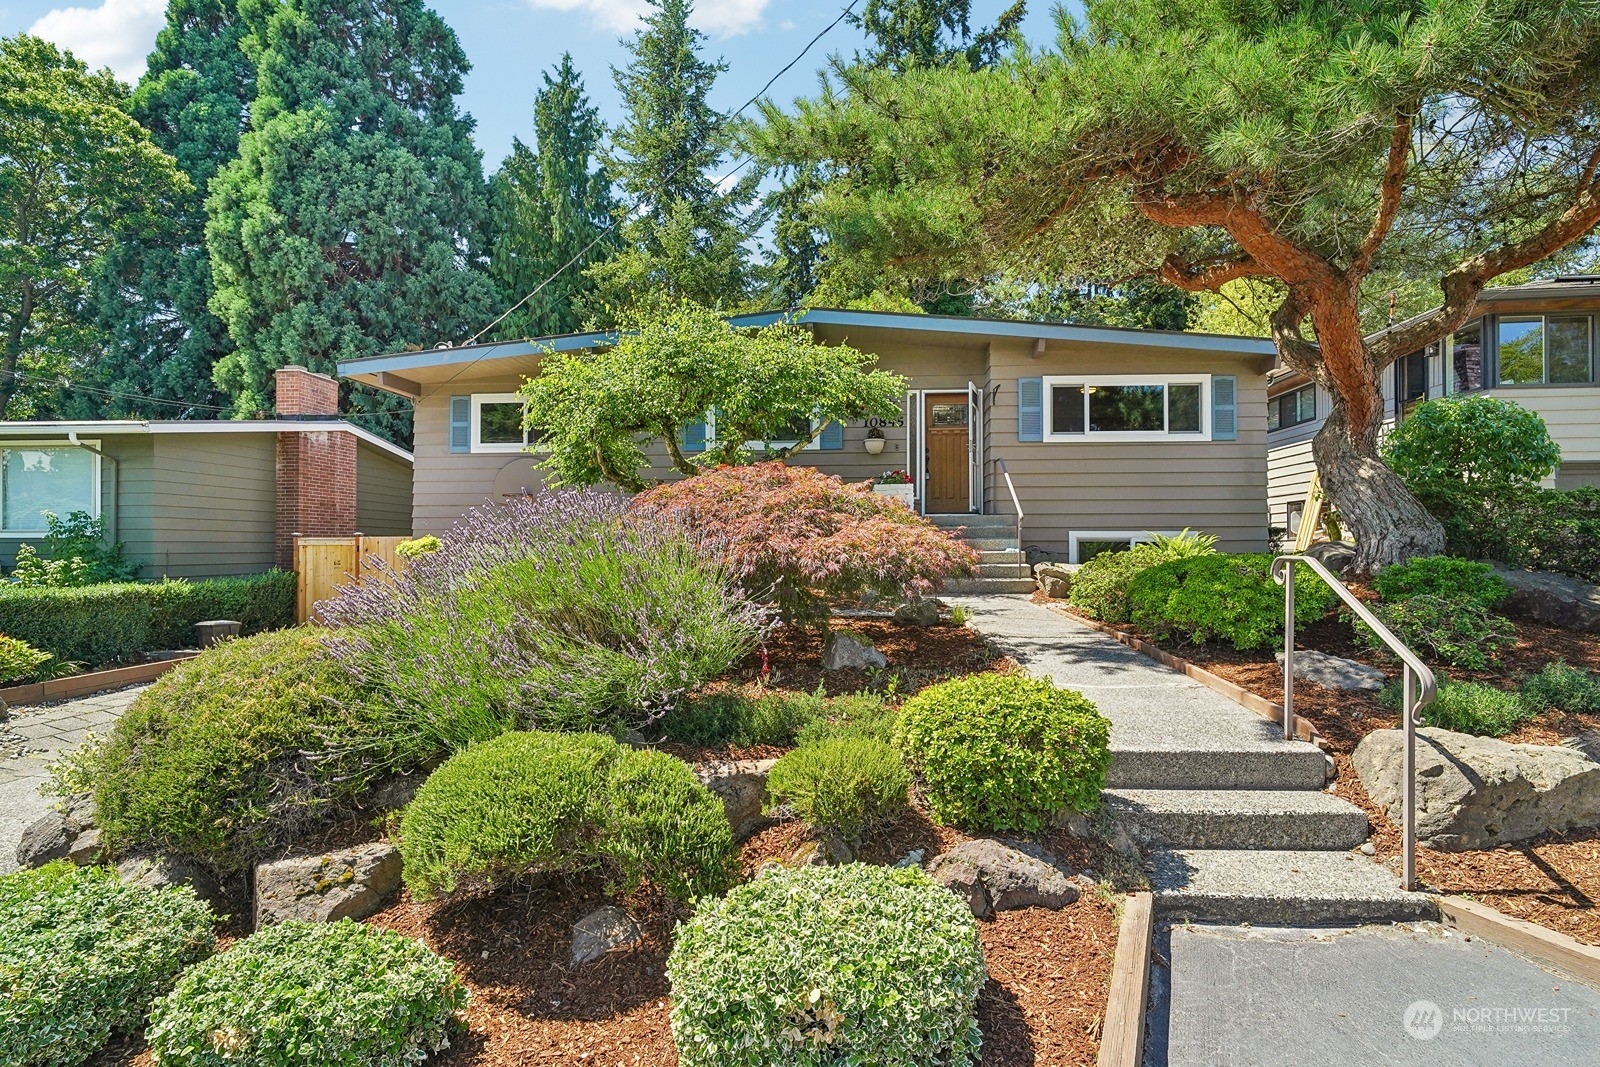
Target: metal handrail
<point x="1016" y="503"/>
<point x="1418" y="690"/>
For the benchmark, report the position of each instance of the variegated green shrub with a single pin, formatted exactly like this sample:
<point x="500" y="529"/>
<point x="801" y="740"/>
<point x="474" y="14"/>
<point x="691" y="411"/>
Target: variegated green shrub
<point x="83" y="956"/>
<point x="310" y="995"/>
<point x="825" y="966"/>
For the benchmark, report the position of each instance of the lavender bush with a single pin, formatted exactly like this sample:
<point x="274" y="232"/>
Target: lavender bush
<point x="556" y="611"/>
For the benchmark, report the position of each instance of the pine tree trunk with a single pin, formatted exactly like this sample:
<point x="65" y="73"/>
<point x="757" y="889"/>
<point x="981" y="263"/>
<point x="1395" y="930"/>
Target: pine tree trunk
<point x="1386" y="522"/>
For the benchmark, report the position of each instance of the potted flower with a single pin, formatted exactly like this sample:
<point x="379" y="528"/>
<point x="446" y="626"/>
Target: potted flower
<point x="897" y="484"/>
<point x="874" y="442"/>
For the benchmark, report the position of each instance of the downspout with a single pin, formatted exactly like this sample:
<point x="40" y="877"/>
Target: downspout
<point x="116" y="482"/>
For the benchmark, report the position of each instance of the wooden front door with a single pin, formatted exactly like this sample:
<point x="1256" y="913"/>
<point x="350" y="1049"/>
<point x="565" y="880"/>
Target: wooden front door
<point x="945" y="418"/>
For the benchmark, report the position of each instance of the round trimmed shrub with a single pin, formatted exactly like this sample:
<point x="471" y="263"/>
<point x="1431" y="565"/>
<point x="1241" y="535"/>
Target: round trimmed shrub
<point x="1223" y="598"/>
<point x="845" y="784"/>
<point x="82" y="956"/>
<point x="1005" y="752"/>
<point x="1442" y="576"/>
<point x="539" y="801"/>
<point x="227" y="756"/>
<point x="310" y="995"/>
<point x="829" y="965"/>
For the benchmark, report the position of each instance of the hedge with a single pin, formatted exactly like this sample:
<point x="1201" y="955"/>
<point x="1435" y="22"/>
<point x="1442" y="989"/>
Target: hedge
<point x="117" y="621"/>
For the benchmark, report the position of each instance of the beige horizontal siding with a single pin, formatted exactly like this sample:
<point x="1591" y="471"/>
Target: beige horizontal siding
<point x="1571" y="412"/>
<point x="1289" y="471"/>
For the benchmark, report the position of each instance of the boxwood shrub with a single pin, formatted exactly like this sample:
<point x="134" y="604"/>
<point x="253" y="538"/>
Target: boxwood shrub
<point x="829" y="965"/>
<point x="228" y="755"/>
<point x="1228" y="598"/>
<point x="310" y="995"/>
<point x="116" y="621"/>
<point x="561" y="802"/>
<point x="83" y="956"/>
<point x="845" y="784"/>
<point x="1005" y="752"/>
<point x="1441" y="576"/>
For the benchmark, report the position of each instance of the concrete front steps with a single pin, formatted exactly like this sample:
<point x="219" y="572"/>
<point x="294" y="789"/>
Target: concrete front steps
<point x="1002" y="565"/>
<point x="1280" y="887"/>
<point x="1289" y="819"/>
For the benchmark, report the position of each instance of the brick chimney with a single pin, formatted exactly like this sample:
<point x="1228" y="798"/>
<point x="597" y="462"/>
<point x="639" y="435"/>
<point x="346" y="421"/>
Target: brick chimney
<point x="316" y="477"/>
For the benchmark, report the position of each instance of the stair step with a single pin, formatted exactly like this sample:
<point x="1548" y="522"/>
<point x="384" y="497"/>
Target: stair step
<point x="974" y="522"/>
<point x="1280" y="888"/>
<point x="1144" y="763"/>
<point x="1296" y="819"/>
<point x="987" y="569"/>
<point x="987" y="586"/>
<point x="987" y="544"/>
<point x="1002" y="555"/>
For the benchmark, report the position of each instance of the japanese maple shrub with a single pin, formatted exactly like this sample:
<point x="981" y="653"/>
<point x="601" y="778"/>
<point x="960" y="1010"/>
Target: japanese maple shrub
<point x="798" y="538"/>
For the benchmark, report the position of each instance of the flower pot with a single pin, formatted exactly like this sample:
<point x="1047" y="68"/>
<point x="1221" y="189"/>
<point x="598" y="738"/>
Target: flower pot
<point x="906" y="494"/>
<point x="874" y="445"/>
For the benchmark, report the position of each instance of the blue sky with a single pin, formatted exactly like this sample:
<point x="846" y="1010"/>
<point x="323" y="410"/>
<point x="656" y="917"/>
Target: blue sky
<point x="511" y="41"/>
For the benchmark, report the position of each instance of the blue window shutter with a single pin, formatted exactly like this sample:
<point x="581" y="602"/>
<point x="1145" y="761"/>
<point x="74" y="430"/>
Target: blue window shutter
<point x="1224" y="407"/>
<point x="1030" y="409"/>
<point x="692" y="438"/>
<point x="832" y="436"/>
<point x="461" y="424"/>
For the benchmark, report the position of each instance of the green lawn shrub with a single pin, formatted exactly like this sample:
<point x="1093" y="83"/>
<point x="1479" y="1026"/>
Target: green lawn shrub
<point x="541" y="802"/>
<point x="1100" y="587"/>
<point x="1004" y="752"/>
<point x="864" y="714"/>
<point x="854" y="964"/>
<point x="311" y="995"/>
<point x="1442" y="576"/>
<point x="1229" y="598"/>
<point x="1474" y="708"/>
<point x="1559" y="686"/>
<point x="20" y="661"/>
<point x="845" y="784"/>
<point x="1456" y="630"/>
<point x="228" y="755"/>
<point x="83" y="956"/>
<point x="118" y="621"/>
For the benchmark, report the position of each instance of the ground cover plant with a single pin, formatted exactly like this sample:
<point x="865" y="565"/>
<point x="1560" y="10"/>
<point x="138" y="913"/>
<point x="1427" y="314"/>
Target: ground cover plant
<point x="1457" y="630"/>
<point x="535" y="802"/>
<point x="83" y="956"/>
<point x="1559" y="686"/>
<point x="1229" y="598"/>
<point x="851" y="964"/>
<point x="310" y="995"/>
<point x="551" y="611"/>
<point x="1004" y="752"/>
<point x="800" y="539"/>
<point x="20" y="661"/>
<point x="1100" y="587"/>
<point x="843" y="784"/>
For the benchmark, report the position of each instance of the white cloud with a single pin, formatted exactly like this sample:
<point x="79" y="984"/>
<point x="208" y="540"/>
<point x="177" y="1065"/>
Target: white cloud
<point x="788" y="25"/>
<point x="721" y="18"/>
<point x="118" y="34"/>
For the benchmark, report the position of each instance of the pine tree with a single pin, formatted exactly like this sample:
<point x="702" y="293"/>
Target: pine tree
<point x="153" y="290"/>
<point x="551" y="205"/>
<point x="351" y="223"/>
<point x="684" y="236"/>
<point x="926" y="34"/>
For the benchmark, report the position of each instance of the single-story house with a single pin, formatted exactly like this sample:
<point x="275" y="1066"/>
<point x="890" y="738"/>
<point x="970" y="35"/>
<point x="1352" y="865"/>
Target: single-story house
<point x="202" y="499"/>
<point x="1534" y="344"/>
<point x="1106" y="433"/>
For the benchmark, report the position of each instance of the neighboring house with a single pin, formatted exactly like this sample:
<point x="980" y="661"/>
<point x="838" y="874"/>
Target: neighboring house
<point x="1107" y="433"/>
<point x="1534" y="344"/>
<point x="200" y="499"/>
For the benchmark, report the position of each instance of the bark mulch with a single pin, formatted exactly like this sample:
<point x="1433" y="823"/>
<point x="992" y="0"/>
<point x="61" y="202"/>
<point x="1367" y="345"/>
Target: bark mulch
<point x="918" y="656"/>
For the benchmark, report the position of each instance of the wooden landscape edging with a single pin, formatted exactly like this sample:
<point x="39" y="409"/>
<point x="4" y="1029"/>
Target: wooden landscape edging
<point x="1522" y="937"/>
<point x="1304" y="729"/>
<point x="77" y="685"/>
<point x="1122" y="1036"/>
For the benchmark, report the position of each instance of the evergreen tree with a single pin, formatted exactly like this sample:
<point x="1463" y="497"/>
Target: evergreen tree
<point x="550" y="204"/>
<point x="925" y="34"/>
<point x="351" y="223"/>
<point x="153" y="291"/>
<point x="683" y="235"/>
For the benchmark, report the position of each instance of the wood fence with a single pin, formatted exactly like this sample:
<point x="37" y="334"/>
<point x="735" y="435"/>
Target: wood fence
<point x="326" y="564"/>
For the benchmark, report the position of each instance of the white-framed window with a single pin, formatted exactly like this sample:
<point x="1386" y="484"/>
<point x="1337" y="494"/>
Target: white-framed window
<point x="497" y="424"/>
<point x="1084" y="545"/>
<point x="799" y="429"/>
<point x="1127" y="407"/>
<point x="45" y="476"/>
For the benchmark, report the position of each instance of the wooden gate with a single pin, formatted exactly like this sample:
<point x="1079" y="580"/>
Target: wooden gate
<point x="326" y="564"/>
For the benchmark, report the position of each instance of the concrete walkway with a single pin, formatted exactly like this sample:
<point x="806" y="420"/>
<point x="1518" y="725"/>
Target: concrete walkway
<point x="47" y="733"/>
<point x="1393" y="995"/>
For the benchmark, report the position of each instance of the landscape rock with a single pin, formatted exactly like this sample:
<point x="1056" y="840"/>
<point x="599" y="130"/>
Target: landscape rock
<point x="603" y="930"/>
<point x="395" y="792"/>
<point x="917" y="613"/>
<point x="1479" y="792"/>
<point x="829" y="850"/>
<point x="963" y="880"/>
<point x="1014" y="874"/>
<point x="1055" y="580"/>
<point x="1554" y="599"/>
<point x="47" y="838"/>
<point x="167" y="872"/>
<point x="741" y="785"/>
<point x="87" y="848"/>
<point x="352" y="883"/>
<point x="1337" y="556"/>
<point x="1335" y="672"/>
<point x="843" y="650"/>
<point x="1585" y="742"/>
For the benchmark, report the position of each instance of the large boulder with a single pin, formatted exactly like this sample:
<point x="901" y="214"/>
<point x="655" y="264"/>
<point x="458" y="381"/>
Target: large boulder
<point x="1478" y="792"/>
<point x="1337" y="556"/>
<point x="168" y="872"/>
<point x="55" y="835"/>
<point x="1055" y="580"/>
<point x="353" y="883"/>
<point x="991" y="875"/>
<point x="843" y="650"/>
<point x="920" y="613"/>
<point x="1335" y="672"/>
<point x="741" y="785"/>
<point x="1554" y="599"/>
